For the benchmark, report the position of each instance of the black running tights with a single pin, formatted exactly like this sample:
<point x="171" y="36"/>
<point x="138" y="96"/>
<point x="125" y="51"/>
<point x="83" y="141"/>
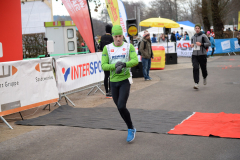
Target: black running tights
<point x="120" y="94"/>
<point x="107" y="81"/>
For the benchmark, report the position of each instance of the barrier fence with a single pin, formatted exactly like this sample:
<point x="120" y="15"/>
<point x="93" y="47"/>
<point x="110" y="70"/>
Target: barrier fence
<point x="31" y="83"/>
<point x="26" y="84"/>
<point x="73" y="72"/>
<point x="221" y="46"/>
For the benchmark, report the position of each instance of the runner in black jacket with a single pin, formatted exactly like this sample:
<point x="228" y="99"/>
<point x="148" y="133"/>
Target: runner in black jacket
<point x="105" y="40"/>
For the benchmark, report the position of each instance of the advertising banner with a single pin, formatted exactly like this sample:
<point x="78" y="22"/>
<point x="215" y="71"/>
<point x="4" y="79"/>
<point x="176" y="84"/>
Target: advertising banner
<point x="113" y="11"/>
<point x="239" y="20"/>
<point x="234" y="45"/>
<point x="11" y="26"/>
<point x="170" y="46"/>
<point x="123" y="19"/>
<point x="184" y="49"/>
<point x="26" y="84"/>
<point x="222" y="46"/>
<point x="79" y="12"/>
<point x="78" y="71"/>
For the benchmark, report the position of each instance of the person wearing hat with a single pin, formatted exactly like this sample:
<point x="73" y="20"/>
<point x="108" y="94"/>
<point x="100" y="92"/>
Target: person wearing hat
<point x="200" y="44"/>
<point x="105" y="40"/>
<point x="146" y="53"/>
<point x="212" y="42"/>
<point x="118" y="57"/>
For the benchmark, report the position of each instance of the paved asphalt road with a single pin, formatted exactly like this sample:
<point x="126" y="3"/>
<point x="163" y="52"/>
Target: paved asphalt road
<point x="174" y="92"/>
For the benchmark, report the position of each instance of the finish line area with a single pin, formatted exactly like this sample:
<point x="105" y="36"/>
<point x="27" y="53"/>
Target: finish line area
<point x="170" y="91"/>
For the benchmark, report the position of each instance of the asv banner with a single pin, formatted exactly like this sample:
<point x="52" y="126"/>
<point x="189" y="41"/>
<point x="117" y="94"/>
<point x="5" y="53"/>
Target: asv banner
<point x="26" y="84"/>
<point x="78" y="71"/>
<point x="184" y="49"/>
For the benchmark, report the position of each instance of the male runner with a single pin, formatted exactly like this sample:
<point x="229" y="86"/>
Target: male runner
<point x="118" y="57"/>
<point x="200" y="43"/>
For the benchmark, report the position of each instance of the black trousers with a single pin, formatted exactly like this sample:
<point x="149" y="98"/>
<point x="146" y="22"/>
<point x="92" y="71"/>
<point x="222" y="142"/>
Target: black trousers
<point x="120" y="94"/>
<point x="213" y="49"/>
<point x="107" y="81"/>
<point x="202" y="61"/>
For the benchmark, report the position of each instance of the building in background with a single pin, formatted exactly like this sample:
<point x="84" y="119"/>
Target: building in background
<point x="34" y="14"/>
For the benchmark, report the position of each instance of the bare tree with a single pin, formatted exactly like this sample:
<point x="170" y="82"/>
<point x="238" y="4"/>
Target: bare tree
<point x="217" y="19"/>
<point x="205" y="12"/>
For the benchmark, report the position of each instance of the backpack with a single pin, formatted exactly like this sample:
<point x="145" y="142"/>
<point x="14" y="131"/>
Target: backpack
<point x="145" y="43"/>
<point x="203" y="41"/>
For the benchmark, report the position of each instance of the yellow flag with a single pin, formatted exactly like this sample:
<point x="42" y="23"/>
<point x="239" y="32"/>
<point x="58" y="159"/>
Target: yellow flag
<point x="239" y="20"/>
<point x="113" y="11"/>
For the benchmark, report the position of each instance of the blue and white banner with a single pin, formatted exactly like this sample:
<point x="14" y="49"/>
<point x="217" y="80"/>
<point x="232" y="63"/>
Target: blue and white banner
<point x="123" y="19"/>
<point x="78" y="71"/>
<point x="225" y="46"/>
<point x="235" y="45"/>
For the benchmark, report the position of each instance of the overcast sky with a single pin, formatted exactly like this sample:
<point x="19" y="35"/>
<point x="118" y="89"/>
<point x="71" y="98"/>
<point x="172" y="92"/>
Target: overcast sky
<point x="59" y="9"/>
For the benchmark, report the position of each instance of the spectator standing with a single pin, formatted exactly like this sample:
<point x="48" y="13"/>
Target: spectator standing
<point x="105" y="40"/>
<point x="147" y="53"/>
<point x="177" y="35"/>
<point x="83" y="47"/>
<point x="200" y="43"/>
<point x="186" y="36"/>
<point x="212" y="42"/>
<point x="173" y="37"/>
<point x="162" y="39"/>
<point x="154" y="39"/>
<point x="212" y="33"/>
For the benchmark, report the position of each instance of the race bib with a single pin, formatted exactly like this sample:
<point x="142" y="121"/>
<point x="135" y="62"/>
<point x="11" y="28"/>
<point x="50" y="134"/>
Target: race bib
<point x="196" y="47"/>
<point x="130" y="80"/>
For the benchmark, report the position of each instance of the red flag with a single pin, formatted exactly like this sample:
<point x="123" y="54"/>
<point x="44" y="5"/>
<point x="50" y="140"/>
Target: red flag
<point x="79" y="12"/>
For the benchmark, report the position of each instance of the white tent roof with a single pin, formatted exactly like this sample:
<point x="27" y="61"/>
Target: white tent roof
<point x="156" y="30"/>
<point x="34" y="14"/>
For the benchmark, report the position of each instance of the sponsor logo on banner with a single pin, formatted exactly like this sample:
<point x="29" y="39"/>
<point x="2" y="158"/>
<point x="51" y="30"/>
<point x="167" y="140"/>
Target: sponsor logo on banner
<point x="225" y="45"/>
<point x="82" y="70"/>
<point x="21" y="80"/>
<point x="184" y="48"/>
<point x="45" y="67"/>
<point x="156" y="59"/>
<point x="78" y="71"/>
<point x="7" y="71"/>
<point x="237" y="46"/>
<point x="113" y="11"/>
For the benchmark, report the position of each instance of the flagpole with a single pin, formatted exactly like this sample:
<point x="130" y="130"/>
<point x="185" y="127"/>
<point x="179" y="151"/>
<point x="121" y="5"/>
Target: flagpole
<point x="92" y="26"/>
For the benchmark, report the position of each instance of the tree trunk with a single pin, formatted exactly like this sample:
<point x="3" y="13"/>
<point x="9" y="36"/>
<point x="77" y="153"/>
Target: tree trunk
<point x="176" y="10"/>
<point x="206" y="22"/>
<point x="217" y="20"/>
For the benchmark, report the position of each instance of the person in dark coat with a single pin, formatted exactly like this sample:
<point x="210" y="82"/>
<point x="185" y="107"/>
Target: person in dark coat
<point x="105" y="40"/>
<point x="173" y="37"/>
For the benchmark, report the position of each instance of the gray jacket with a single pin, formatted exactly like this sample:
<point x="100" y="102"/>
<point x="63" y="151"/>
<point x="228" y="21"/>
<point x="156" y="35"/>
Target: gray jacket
<point x="200" y="37"/>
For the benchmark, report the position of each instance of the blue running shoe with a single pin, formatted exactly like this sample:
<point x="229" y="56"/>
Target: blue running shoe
<point x="131" y="135"/>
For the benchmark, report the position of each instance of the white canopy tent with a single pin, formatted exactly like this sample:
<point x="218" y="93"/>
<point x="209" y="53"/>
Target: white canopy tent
<point x="156" y="30"/>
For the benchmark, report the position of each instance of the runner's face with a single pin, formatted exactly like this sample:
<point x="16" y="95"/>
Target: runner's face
<point x="118" y="40"/>
<point x="197" y="29"/>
